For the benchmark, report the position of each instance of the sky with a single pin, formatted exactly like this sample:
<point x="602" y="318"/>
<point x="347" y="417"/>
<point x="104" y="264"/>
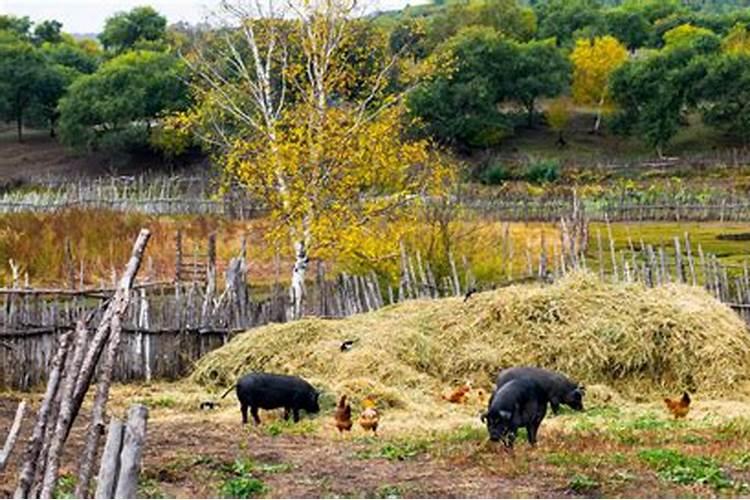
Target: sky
<point x="87" y="16"/>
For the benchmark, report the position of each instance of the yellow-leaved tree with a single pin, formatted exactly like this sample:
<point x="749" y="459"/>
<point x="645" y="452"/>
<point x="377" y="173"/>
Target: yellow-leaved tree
<point x="737" y="41"/>
<point x="292" y="98"/>
<point x="594" y="61"/>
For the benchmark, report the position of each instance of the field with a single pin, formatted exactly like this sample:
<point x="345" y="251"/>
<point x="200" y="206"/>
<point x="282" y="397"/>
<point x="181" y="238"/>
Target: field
<point x="613" y="449"/>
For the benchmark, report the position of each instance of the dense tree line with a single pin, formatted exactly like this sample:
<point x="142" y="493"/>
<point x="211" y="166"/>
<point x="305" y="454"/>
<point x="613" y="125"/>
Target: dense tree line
<point x="472" y="72"/>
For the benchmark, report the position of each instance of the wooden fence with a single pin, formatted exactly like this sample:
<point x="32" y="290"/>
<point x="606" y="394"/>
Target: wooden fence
<point x="168" y="325"/>
<point x="192" y="196"/>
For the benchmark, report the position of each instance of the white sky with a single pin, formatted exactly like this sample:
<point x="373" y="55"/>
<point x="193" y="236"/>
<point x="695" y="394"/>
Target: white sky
<point x="87" y="16"/>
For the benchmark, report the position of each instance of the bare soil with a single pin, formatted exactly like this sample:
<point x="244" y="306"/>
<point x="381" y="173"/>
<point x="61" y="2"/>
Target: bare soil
<point x="190" y="454"/>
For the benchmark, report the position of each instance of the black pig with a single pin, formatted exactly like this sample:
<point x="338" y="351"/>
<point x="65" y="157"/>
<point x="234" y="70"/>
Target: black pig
<point x="269" y="391"/>
<point x="559" y="388"/>
<point x="520" y="403"/>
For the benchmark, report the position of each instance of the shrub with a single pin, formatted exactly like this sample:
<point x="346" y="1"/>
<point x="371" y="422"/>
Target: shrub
<point x="542" y="171"/>
<point x="495" y="174"/>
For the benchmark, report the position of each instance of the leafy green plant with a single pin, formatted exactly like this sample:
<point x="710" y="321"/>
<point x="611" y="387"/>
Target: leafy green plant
<point x="243" y="487"/>
<point x="683" y="469"/>
<point x="242" y="483"/>
<point x="66" y="483"/>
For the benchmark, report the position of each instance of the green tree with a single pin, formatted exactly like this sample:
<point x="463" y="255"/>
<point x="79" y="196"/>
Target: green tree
<point x="725" y="95"/>
<point x="22" y="70"/>
<point x="563" y="19"/>
<point x="126" y="30"/>
<point x="20" y="26"/>
<point x="48" y="31"/>
<point x="506" y="16"/>
<point x="459" y="103"/>
<point x="652" y="93"/>
<point x="116" y="107"/>
<point x="630" y="26"/>
<point x="541" y="70"/>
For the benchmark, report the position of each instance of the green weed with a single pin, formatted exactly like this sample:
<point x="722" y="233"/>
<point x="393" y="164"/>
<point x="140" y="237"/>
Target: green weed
<point x="395" y="450"/>
<point x="242" y="483"/>
<point x="684" y="469"/>
<point x="66" y="483"/>
<point x="243" y="487"/>
<point x="388" y="491"/>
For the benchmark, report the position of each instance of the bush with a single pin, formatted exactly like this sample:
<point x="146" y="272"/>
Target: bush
<point x="542" y="171"/>
<point x="495" y="174"/>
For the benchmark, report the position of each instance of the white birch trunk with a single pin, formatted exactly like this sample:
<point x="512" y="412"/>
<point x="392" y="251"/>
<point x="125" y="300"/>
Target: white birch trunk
<point x="297" y="289"/>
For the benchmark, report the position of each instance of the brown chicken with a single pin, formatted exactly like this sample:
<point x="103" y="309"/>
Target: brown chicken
<point x="678" y="407"/>
<point x="370" y="417"/>
<point x="458" y="396"/>
<point x="343" y="415"/>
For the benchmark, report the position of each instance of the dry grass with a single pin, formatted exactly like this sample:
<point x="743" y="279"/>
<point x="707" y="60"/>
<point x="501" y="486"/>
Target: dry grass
<point x="102" y="241"/>
<point x="621" y="340"/>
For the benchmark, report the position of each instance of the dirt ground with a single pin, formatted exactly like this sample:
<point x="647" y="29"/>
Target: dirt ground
<point x="193" y="453"/>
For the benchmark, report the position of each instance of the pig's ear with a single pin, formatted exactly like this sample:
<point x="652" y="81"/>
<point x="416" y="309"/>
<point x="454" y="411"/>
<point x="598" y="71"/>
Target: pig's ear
<point x="506" y="415"/>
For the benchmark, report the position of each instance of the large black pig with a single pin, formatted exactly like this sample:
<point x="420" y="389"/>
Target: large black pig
<point x="519" y="403"/>
<point x="559" y="388"/>
<point x="269" y="391"/>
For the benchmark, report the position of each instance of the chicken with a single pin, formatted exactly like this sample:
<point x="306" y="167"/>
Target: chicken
<point x="459" y="395"/>
<point x="481" y="397"/>
<point x="678" y="407"/>
<point x="343" y="415"/>
<point x="369" y="418"/>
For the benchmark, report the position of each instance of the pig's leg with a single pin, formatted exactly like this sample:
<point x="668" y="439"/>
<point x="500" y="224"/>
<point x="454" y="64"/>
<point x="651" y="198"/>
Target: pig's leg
<point x="531" y="433"/>
<point x="254" y="412"/>
<point x="555" y="407"/>
<point x="286" y="413"/>
<point x="295" y="412"/>
<point x="243" y="409"/>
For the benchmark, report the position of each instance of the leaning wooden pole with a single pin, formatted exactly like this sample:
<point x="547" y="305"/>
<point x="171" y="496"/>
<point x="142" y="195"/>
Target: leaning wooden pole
<point x="119" y="306"/>
<point x="10" y="440"/>
<point x="34" y="446"/>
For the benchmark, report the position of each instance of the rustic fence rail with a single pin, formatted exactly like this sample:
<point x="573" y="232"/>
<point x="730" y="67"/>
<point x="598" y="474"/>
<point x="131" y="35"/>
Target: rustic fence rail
<point x="192" y="196"/>
<point x="168" y="325"/>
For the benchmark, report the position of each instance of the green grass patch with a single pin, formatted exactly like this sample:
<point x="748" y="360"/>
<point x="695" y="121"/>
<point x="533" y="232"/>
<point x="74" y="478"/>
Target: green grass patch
<point x="684" y="469"/>
<point x="581" y="483"/>
<point x="149" y="488"/>
<point x="289" y="427"/>
<point x="395" y="450"/>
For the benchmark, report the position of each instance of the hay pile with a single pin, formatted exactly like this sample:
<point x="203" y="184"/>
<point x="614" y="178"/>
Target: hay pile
<point x="627" y="337"/>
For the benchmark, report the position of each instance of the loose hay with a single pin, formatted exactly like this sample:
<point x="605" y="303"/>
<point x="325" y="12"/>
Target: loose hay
<point x="634" y="339"/>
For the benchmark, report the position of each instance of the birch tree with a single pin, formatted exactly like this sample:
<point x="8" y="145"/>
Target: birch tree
<point x="292" y="97"/>
<point x="594" y="61"/>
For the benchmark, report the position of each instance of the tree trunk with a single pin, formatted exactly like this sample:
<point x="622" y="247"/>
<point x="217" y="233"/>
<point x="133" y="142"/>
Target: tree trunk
<point x="530" y="113"/>
<point x="19" y="125"/>
<point x="598" y="121"/>
<point x="297" y="290"/>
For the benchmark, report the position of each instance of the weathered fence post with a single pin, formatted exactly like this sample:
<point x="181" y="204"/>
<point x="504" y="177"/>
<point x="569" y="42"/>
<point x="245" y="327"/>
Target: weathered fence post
<point x="110" y="462"/>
